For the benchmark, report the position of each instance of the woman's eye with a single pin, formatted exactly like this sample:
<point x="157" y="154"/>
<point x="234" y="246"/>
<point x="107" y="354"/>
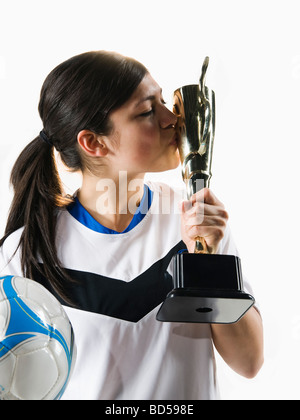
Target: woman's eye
<point x="147" y="114"/>
<point x="152" y="110"/>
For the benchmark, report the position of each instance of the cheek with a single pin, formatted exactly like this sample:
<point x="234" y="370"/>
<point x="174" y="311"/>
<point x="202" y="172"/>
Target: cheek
<point x="140" y="155"/>
<point x="139" y="145"/>
<point x="145" y="147"/>
<point x="135" y="151"/>
<point x="146" y="142"/>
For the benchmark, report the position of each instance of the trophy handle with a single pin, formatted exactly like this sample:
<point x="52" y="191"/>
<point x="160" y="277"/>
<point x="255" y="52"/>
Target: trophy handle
<point x="202" y="79"/>
<point x="201" y="245"/>
<point x="204" y="104"/>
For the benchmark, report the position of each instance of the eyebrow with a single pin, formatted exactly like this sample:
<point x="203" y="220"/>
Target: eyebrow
<point x="148" y="98"/>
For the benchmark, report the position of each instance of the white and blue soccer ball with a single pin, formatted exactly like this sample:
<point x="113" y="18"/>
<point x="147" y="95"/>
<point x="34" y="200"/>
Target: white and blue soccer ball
<point x="37" y="349"/>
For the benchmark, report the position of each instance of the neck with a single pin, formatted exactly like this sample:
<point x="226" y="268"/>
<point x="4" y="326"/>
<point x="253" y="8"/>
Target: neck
<point x="112" y="201"/>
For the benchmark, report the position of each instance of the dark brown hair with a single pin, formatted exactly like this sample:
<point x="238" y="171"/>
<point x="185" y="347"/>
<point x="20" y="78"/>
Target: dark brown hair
<point x="78" y="94"/>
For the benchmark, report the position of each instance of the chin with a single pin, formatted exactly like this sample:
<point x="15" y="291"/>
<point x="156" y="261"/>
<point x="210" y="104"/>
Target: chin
<point x="168" y="164"/>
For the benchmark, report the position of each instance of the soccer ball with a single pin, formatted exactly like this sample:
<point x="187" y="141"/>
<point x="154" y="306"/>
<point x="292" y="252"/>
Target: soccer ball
<point x="37" y="349"/>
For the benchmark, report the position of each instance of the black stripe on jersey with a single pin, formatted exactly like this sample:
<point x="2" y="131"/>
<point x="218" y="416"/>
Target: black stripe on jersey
<point x="130" y="301"/>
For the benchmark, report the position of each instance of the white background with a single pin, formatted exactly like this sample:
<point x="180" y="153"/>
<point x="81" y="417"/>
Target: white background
<point x="254" y="50"/>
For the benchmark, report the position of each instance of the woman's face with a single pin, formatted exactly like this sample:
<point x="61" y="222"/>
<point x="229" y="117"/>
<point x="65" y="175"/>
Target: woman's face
<point x="143" y="134"/>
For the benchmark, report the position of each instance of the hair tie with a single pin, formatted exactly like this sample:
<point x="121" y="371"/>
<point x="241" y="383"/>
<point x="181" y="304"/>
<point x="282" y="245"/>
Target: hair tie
<point x="45" y="138"/>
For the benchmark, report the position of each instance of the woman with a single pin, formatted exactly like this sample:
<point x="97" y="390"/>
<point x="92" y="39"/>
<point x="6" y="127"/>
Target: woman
<point x="105" y="252"/>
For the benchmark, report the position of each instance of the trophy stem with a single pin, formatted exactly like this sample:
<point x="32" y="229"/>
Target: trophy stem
<point x="200" y="246"/>
<point x="195" y="184"/>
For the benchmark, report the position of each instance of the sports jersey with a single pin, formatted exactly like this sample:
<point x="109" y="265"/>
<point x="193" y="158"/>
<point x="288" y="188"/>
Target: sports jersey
<point x="123" y="352"/>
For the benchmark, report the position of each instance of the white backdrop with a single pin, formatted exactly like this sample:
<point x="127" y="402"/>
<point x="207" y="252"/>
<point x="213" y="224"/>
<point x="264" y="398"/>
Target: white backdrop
<point x="254" y="50"/>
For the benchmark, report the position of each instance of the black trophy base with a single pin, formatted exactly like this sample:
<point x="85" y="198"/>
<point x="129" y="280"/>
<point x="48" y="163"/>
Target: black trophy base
<point x="207" y="289"/>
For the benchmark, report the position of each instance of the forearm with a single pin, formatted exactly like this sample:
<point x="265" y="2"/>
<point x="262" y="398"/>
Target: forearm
<point x="241" y="344"/>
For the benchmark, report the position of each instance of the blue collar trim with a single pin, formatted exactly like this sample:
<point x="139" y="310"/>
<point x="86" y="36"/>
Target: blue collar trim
<point x="77" y="210"/>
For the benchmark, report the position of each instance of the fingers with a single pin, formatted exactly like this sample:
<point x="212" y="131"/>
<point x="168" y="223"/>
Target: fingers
<point x="205" y="195"/>
<point x="212" y="234"/>
<point x="203" y="216"/>
<point x="204" y="208"/>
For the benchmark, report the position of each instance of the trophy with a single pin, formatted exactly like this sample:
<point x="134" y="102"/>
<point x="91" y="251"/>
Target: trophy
<point x="208" y="288"/>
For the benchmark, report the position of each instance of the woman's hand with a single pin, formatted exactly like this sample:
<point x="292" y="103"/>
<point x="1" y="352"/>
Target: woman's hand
<point x="203" y="216"/>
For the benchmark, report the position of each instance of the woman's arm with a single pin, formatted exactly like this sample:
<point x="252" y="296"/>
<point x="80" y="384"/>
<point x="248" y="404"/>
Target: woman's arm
<point x="239" y="344"/>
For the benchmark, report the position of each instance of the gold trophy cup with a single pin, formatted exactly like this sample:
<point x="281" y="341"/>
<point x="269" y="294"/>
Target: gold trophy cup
<point x="208" y="288"/>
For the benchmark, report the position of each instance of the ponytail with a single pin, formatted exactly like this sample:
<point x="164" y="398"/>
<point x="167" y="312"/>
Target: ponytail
<point x="37" y="196"/>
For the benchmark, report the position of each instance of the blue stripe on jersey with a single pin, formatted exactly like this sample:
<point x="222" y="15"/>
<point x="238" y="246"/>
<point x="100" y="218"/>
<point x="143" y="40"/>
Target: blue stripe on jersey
<point x="83" y="216"/>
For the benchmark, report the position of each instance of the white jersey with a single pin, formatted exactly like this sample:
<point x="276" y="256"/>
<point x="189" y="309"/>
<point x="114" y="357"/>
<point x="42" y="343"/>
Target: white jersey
<point x="124" y="353"/>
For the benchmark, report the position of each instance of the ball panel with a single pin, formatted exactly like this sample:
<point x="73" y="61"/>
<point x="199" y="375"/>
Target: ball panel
<point x="4" y="318"/>
<point x="28" y="383"/>
<point x="7" y="367"/>
<point x="62" y="364"/>
<point x="34" y="343"/>
<point x="10" y="397"/>
<point x="20" y="285"/>
<point x="30" y="306"/>
<point x="62" y="325"/>
<point x="2" y="294"/>
<point x="44" y="298"/>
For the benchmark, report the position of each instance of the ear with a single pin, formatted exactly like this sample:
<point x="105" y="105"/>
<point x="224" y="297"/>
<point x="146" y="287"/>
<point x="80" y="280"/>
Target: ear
<point x="93" y="144"/>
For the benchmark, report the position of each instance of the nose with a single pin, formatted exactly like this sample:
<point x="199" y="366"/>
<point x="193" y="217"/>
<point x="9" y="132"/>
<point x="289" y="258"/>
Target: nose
<point x="167" y="119"/>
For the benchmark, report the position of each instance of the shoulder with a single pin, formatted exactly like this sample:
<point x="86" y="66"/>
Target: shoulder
<point x="11" y="243"/>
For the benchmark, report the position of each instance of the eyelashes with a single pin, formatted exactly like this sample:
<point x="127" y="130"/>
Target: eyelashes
<point x="147" y="114"/>
<point x="151" y="111"/>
